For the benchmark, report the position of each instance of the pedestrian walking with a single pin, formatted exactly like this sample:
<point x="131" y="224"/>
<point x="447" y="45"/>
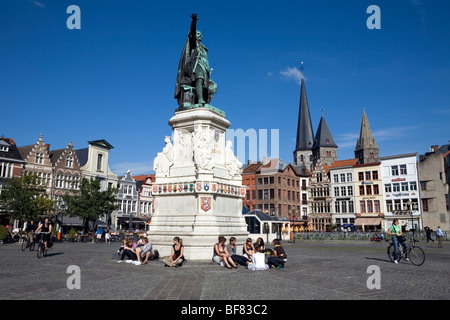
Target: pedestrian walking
<point x="439" y="236"/>
<point x="428" y="231"/>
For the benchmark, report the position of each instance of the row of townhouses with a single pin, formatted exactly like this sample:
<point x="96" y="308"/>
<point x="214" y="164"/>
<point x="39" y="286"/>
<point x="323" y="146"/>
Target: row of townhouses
<point x="365" y="193"/>
<point x="61" y="171"/>
<point x="316" y="191"/>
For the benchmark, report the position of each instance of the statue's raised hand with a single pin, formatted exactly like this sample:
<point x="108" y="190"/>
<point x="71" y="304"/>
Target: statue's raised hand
<point x="194" y="16"/>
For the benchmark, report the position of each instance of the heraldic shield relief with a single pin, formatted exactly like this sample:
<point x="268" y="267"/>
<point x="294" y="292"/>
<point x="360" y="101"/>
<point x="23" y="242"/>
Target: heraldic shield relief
<point x="205" y="203"/>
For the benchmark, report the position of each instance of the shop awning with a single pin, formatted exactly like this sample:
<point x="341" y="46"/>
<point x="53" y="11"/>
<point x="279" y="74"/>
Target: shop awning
<point x="367" y="221"/>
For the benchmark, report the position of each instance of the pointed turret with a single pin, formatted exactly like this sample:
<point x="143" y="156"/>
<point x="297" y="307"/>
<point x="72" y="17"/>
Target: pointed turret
<point x="366" y="150"/>
<point x="324" y="147"/>
<point x="305" y="134"/>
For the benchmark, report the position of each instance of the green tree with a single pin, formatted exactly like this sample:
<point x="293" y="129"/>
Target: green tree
<point x="25" y="197"/>
<point x="89" y="204"/>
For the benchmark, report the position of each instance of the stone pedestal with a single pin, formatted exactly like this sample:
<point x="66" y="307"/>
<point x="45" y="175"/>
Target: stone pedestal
<point x="198" y="189"/>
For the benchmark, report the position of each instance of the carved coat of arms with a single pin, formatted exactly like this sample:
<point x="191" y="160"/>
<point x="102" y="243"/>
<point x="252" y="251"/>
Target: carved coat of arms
<point x="205" y="203"/>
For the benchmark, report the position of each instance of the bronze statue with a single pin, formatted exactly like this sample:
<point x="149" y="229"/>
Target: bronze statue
<point x="194" y="88"/>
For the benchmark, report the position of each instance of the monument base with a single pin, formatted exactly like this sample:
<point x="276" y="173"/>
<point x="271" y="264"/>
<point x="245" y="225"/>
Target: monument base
<point x="198" y="190"/>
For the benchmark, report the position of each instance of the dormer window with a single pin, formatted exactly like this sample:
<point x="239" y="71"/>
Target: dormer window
<point x="4" y="148"/>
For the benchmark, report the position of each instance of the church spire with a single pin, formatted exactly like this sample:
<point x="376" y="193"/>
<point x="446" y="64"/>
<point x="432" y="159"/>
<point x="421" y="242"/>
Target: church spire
<point x="366" y="150"/>
<point x="305" y="134"/>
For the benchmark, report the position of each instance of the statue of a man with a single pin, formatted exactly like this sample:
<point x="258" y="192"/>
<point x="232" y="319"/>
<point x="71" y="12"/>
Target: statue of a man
<point x="193" y="79"/>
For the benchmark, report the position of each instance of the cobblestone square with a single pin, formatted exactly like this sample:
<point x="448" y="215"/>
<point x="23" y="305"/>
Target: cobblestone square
<point x="315" y="270"/>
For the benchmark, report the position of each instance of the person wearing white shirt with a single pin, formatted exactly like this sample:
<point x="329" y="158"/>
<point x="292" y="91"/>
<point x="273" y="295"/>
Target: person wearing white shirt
<point x="258" y="261"/>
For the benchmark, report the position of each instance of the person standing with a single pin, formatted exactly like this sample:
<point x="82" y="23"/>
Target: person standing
<point x="439" y="236"/>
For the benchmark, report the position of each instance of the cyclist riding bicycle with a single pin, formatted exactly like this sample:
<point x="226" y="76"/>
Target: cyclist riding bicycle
<point x="46" y="229"/>
<point x="31" y="230"/>
<point x="395" y="230"/>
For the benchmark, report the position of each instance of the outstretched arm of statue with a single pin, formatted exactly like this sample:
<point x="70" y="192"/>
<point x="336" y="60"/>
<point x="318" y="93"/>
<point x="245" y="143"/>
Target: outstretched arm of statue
<point x="193" y="31"/>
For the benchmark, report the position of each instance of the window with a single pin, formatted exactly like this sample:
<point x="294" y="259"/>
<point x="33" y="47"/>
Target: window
<point x="423" y="185"/>
<point x="350" y="190"/>
<point x="361" y="190"/>
<point x="377" y="206"/>
<point x="375" y="175"/>
<point x="39" y="158"/>
<point x="395" y="187"/>
<point x="343" y="191"/>
<point x="336" y="178"/>
<point x="394" y="170"/>
<point x="404" y="186"/>
<point x="336" y="191"/>
<point x="361" y="176"/>
<point x="369" y="191"/>
<point x="337" y="207"/>
<point x="362" y="205"/>
<point x="99" y="161"/>
<point x="413" y="186"/>
<point x="342" y="177"/>
<point x="319" y="177"/>
<point x="403" y="169"/>
<point x="425" y="204"/>
<point x="344" y="206"/>
<point x="376" y="189"/>
<point x="369" y="206"/>
<point x="397" y="205"/>
<point x="69" y="162"/>
<point x="329" y="154"/>
<point x="389" y="206"/>
<point x="368" y="175"/>
<point x="350" y="206"/>
<point x="349" y="177"/>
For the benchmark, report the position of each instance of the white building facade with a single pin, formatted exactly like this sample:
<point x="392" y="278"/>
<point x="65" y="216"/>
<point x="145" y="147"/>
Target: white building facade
<point x="401" y="191"/>
<point x="127" y="200"/>
<point x="343" y="192"/>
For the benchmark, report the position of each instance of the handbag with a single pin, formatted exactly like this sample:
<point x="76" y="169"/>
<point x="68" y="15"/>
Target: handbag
<point x="401" y="239"/>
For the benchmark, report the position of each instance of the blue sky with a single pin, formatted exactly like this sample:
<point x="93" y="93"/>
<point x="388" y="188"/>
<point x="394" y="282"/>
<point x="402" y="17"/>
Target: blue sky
<point x="114" y="79"/>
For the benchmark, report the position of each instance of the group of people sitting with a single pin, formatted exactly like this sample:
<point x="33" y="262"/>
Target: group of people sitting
<point x="136" y="253"/>
<point x="141" y="252"/>
<point x="253" y="254"/>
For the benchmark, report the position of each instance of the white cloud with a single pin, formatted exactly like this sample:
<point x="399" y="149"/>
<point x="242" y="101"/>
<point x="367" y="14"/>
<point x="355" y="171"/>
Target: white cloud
<point x="37" y="3"/>
<point x="292" y="74"/>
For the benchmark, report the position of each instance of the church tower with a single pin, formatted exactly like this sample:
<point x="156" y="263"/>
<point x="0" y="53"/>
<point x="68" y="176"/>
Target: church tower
<point x="324" y="147"/>
<point x="305" y="136"/>
<point x="366" y="150"/>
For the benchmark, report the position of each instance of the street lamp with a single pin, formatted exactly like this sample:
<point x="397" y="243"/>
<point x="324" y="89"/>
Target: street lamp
<point x="411" y="208"/>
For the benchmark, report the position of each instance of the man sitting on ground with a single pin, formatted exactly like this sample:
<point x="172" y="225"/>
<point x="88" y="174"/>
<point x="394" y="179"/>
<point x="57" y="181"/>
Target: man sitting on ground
<point x="144" y="252"/>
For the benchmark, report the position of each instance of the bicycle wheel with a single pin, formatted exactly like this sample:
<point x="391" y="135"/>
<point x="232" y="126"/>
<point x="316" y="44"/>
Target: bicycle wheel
<point x="416" y="255"/>
<point x="390" y="252"/>
<point x="32" y="245"/>
<point x="24" y="244"/>
<point x="40" y="251"/>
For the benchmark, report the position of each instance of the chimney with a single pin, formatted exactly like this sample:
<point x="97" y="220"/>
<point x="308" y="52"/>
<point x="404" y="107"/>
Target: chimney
<point x="434" y="148"/>
<point x="47" y="146"/>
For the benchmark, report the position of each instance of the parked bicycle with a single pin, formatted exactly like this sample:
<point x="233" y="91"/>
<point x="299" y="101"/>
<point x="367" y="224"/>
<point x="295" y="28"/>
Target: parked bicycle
<point x="27" y="243"/>
<point x="41" y="250"/>
<point x="414" y="253"/>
